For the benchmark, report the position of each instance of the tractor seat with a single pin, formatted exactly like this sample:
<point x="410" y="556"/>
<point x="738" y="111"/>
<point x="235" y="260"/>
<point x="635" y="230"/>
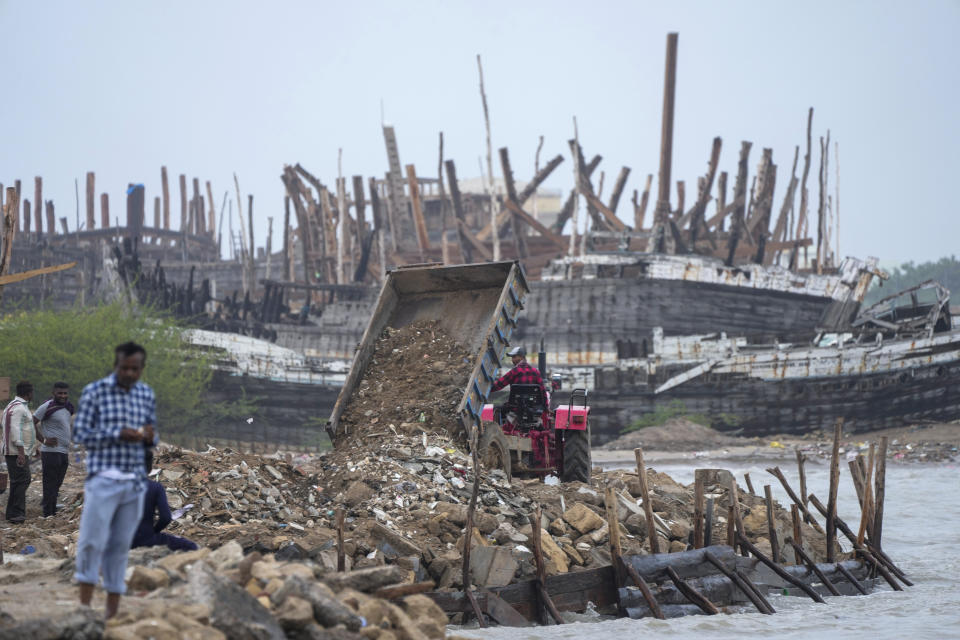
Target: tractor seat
<point x="527" y="398"/>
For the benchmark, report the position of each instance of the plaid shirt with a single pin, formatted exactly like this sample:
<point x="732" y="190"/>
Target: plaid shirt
<point x="105" y="409"/>
<point x="522" y="373"/>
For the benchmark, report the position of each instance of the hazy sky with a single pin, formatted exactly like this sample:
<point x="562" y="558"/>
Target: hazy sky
<point x="209" y="88"/>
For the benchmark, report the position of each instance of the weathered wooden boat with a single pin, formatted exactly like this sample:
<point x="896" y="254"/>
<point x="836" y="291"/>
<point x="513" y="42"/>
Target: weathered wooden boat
<point x="597" y="309"/>
<point x="899" y="362"/>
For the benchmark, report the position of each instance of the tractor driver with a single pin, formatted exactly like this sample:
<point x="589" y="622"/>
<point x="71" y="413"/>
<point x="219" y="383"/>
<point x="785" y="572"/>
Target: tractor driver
<point x="521" y="373"/>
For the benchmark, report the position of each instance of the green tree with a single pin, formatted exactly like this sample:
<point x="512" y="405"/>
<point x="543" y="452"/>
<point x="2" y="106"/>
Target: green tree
<point x="946" y="271"/>
<point x="76" y="347"/>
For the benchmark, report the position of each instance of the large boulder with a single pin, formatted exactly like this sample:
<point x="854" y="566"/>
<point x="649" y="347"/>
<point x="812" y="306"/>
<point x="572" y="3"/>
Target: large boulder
<point x="369" y="579"/>
<point x="147" y="579"/>
<point x="327" y="610"/>
<point x="79" y="624"/>
<point x="582" y="518"/>
<point x="232" y="609"/>
<point x="492" y="566"/>
<point x="554" y="557"/>
<point x="429" y="617"/>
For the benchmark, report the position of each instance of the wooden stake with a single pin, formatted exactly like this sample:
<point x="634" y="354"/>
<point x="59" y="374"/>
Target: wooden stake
<point x="834" y="485"/>
<point x="38" y="203"/>
<point x="698" y="507"/>
<point x="91" y="221"/>
<point x="644" y="589"/>
<point x="342" y="234"/>
<point x="801" y="230"/>
<point x="803" y="508"/>
<point x="521" y="243"/>
<point x="641" y="211"/>
<point x="850" y="578"/>
<point x="731" y="527"/>
<point x="466" y="247"/>
<point x="771" y="529"/>
<point x="797" y="533"/>
<point x="341" y="557"/>
<point x="104" y="211"/>
<point x="812" y="566"/>
<point x="613" y="523"/>
<point x="212" y="224"/>
<point x="27" y="218"/>
<point x="251" y="253"/>
<point x="857" y="479"/>
<point x="756" y="591"/>
<point x="780" y="572"/>
<point x="11" y="210"/>
<point x="708" y="524"/>
<point x="423" y="239"/>
<point x="666" y="131"/>
<point x="468" y="534"/>
<point x="379" y="224"/>
<point x="801" y="460"/>
<point x="287" y="265"/>
<point x="761" y="605"/>
<point x="878" y="559"/>
<point x="746" y="478"/>
<point x="866" y="505"/>
<point x="165" y="194"/>
<point x="692" y="594"/>
<point x="735" y="503"/>
<point x="647" y="501"/>
<point x="536" y="527"/>
<point x="492" y="189"/>
<point x="881" y="486"/>
<point x="183" y="203"/>
<point x="51" y="217"/>
<point x="618" y="189"/>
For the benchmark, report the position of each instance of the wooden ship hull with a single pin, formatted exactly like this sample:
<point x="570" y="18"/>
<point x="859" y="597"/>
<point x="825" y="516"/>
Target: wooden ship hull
<point x="598" y="309"/>
<point x="896" y="366"/>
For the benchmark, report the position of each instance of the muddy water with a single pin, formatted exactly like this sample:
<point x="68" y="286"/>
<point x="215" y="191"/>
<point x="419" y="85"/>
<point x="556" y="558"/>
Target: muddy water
<point x="921" y="533"/>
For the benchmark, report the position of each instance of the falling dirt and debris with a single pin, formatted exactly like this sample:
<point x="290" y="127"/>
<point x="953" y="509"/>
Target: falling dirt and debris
<point x="414" y="382"/>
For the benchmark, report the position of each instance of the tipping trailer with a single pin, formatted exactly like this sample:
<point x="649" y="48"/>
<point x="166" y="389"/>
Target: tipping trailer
<point x="478" y="305"/>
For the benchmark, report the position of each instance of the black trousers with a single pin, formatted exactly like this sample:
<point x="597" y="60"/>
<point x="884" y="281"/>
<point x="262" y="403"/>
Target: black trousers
<point x="54" y="470"/>
<point x="19" y="481"/>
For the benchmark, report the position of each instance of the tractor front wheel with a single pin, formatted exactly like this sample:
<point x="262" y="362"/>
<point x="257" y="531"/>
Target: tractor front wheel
<point x="493" y="451"/>
<point x="577" y="463"/>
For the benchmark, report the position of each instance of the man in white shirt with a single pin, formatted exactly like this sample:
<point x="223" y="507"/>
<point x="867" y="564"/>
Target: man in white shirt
<point x="18" y="445"/>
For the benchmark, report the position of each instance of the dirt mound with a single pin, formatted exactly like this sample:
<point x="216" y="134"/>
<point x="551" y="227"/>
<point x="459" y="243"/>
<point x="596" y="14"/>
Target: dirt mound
<point x="676" y="434"/>
<point x="416" y="377"/>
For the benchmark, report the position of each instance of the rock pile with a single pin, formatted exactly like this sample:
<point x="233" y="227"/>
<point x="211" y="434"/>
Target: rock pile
<point x="224" y="594"/>
<point x="404" y="499"/>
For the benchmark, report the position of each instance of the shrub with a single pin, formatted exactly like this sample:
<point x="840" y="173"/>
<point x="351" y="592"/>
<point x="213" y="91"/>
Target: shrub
<point x="76" y="346"/>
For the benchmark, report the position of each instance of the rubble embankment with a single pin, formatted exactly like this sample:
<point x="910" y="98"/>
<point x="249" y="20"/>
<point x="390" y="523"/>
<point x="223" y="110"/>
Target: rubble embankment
<point x="401" y="478"/>
<point x="271" y="522"/>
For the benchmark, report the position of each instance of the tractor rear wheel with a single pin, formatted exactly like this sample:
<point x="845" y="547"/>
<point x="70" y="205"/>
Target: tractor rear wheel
<point x="493" y="451"/>
<point x="577" y="462"/>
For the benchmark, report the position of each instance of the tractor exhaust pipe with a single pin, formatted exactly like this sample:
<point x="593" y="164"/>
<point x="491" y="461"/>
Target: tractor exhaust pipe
<point x="542" y="360"/>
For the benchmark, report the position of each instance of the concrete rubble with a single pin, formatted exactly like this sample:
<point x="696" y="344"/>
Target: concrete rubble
<point x="267" y="525"/>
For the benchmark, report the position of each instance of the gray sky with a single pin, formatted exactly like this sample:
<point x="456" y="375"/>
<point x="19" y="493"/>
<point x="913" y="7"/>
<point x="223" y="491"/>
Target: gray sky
<point x="209" y="88"/>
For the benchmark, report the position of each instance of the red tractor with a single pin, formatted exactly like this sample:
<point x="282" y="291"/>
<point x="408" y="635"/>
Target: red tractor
<point x="526" y="436"/>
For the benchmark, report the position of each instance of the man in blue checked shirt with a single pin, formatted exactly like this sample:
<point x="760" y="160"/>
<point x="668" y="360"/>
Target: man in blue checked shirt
<point x="115" y="420"/>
